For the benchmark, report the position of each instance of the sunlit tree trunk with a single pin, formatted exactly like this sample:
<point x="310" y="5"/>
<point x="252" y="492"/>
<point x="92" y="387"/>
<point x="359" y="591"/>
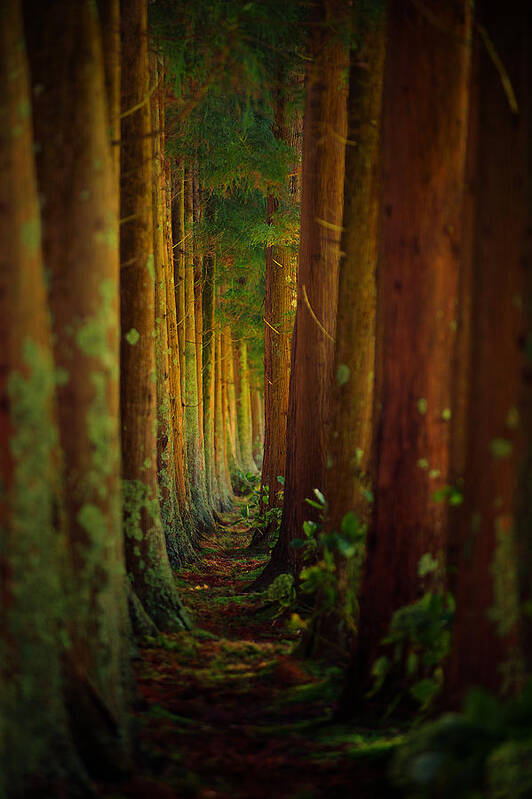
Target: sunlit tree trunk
<point x="178" y="231"/>
<point x="224" y="499"/>
<point x="492" y="545"/>
<point x="350" y="474"/>
<point x="209" y="270"/>
<point x="424" y="136"/>
<point x="324" y="134"/>
<point x="166" y="451"/>
<point x="147" y="558"/>
<point x="244" y="409"/>
<point x="193" y="439"/>
<point x="278" y="323"/>
<point x="256" y="427"/>
<point x="233" y="449"/>
<point x="35" y="751"/>
<point x="80" y="248"/>
<point x="182" y="544"/>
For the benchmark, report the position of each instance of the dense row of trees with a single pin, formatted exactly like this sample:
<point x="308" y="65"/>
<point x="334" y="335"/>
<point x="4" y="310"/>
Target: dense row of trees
<point x="151" y="181"/>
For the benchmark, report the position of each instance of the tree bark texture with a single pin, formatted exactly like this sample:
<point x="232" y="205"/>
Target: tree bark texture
<point x="491" y="643"/>
<point x="324" y="135"/>
<point x="147" y="558"/>
<point x="424" y="130"/>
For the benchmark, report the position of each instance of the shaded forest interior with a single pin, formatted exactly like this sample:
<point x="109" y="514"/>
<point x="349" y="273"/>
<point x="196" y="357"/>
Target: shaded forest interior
<point x="266" y="399"/>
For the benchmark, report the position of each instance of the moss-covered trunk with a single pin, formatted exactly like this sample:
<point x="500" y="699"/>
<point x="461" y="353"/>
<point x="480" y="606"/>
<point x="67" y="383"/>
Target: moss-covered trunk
<point x="34" y="736"/>
<point x="350" y="448"/>
<point x="147" y="558"/>
<point x="80" y="247"/>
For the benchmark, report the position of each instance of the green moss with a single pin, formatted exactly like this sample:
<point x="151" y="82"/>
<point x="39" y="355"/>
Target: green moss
<point x="94" y="336"/>
<point x="31" y="712"/>
<point x="30" y="235"/>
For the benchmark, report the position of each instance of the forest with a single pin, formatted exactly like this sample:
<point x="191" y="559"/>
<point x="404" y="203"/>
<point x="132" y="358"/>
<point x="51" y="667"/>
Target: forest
<point x="266" y="399"/>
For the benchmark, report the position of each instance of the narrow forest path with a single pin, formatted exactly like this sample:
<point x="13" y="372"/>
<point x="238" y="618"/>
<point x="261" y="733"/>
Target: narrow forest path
<point x="229" y="710"/>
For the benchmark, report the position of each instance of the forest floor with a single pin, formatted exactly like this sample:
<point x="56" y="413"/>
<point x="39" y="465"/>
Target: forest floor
<point x="229" y="711"/>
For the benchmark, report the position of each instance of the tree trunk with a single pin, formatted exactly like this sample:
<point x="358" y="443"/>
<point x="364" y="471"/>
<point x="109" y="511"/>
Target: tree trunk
<point x="193" y="439"/>
<point x="209" y="267"/>
<point x="223" y="500"/>
<point x="278" y="324"/>
<point x="181" y="544"/>
<point x="147" y="558"/>
<point x="350" y="474"/>
<point x="178" y="231"/>
<point x="35" y="749"/>
<point x="493" y="548"/>
<point x="244" y="410"/>
<point x="80" y="247"/>
<point x="324" y="134"/>
<point x="424" y="135"/>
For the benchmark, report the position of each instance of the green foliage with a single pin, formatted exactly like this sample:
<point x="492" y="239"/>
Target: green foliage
<point x="485" y="751"/>
<point x="326" y="552"/>
<point x="419" y="638"/>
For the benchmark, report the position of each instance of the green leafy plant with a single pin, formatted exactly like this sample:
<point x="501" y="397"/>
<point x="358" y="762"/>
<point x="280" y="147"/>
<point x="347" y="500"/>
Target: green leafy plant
<point x="485" y="751"/>
<point x="420" y="639"/>
<point x="325" y="551"/>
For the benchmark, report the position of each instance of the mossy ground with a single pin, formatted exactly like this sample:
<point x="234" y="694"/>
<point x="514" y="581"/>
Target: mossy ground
<point x="229" y="711"/>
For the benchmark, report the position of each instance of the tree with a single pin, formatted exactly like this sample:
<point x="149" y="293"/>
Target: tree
<point x="80" y="248"/>
<point x="491" y="540"/>
<point x="35" y="743"/>
<point x="147" y="558"/>
<point x="425" y="105"/>
<point x="324" y="135"/>
<point x="349" y="478"/>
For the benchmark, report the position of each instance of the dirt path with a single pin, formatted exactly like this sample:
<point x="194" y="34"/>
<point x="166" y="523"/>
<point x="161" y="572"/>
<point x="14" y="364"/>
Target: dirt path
<point x="229" y="711"/>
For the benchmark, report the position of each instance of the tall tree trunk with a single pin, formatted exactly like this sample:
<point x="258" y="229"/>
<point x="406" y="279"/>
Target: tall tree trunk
<point x="224" y="498"/>
<point x="209" y="267"/>
<point x="256" y="429"/>
<point x="147" y="558"/>
<point x="424" y="136"/>
<point x="244" y="410"/>
<point x="35" y="750"/>
<point x="278" y="324"/>
<point x="80" y="247"/>
<point x="232" y="443"/>
<point x="350" y="474"/>
<point x="493" y="551"/>
<point x="324" y="134"/>
<point x="178" y="231"/>
<point x="181" y="543"/>
<point x="193" y="439"/>
<point x="109" y="12"/>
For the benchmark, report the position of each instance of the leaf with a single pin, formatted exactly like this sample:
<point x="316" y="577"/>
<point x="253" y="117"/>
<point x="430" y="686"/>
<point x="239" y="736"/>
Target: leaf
<point x="424" y="691"/>
<point x="346" y="547"/>
<point x="298" y="543"/>
<point x="309" y="528"/>
<point x="320" y="496"/>
<point x="342" y="374"/>
<point x="501" y="447"/>
<point x="427" y="564"/>
<point x="313" y="504"/>
<point x="280" y="479"/>
<point x="349" y="524"/>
